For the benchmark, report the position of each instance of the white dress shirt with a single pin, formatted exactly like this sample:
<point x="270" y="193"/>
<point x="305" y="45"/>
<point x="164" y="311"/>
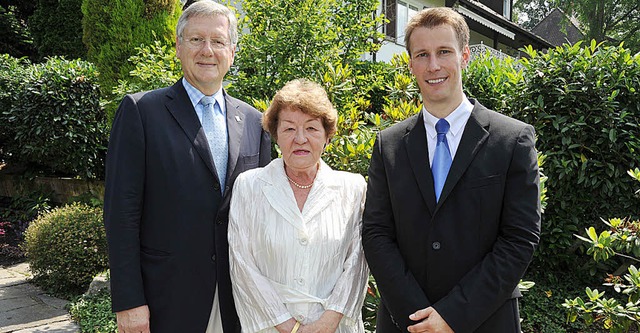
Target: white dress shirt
<point x="457" y="121"/>
<point x="286" y="263"/>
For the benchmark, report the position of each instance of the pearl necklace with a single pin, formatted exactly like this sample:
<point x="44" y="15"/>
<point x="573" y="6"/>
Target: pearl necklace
<point x="304" y="187"/>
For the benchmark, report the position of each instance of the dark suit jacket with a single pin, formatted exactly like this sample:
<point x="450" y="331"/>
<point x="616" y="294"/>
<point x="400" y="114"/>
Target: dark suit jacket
<point x="465" y="255"/>
<point x="165" y="217"/>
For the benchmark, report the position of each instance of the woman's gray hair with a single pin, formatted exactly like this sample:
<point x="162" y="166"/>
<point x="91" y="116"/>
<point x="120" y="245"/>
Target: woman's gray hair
<point x="209" y="8"/>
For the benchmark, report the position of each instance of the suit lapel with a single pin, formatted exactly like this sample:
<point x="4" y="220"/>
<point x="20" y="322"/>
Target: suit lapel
<point x="235" y="128"/>
<point x="180" y="107"/>
<point x="416" y="144"/>
<point x="475" y="134"/>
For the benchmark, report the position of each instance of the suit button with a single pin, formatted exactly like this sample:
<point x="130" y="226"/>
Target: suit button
<point x="435" y="246"/>
<point x="213" y="258"/>
<point x="226" y="189"/>
<point x="304" y="241"/>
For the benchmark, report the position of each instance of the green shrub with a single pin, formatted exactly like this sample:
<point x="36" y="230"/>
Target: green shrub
<point x="490" y="80"/>
<point x="540" y="308"/>
<point x="585" y="105"/>
<point x="621" y="314"/>
<point x="113" y="29"/>
<point x="297" y="39"/>
<point x="56" y="122"/>
<point x="11" y="79"/>
<point x="66" y="248"/>
<point x="93" y="313"/>
<point x="56" y="29"/>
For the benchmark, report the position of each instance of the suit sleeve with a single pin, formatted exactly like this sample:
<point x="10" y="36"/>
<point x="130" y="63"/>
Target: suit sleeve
<point x="265" y="148"/>
<point x="401" y="293"/>
<point x="492" y="281"/>
<point x="124" y="192"/>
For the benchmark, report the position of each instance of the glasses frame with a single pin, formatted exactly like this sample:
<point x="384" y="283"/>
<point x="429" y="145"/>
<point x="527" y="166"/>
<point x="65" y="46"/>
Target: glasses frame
<point x="197" y="42"/>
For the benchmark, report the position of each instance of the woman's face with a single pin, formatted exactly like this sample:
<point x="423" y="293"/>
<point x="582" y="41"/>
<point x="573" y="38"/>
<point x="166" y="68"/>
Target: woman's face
<point x="301" y="138"/>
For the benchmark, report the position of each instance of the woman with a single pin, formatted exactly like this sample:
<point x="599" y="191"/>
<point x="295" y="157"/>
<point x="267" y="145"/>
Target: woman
<point x="294" y="227"/>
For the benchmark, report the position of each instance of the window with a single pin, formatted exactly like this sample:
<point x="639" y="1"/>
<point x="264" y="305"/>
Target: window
<point x="506" y="9"/>
<point x="405" y="13"/>
<point x="398" y="12"/>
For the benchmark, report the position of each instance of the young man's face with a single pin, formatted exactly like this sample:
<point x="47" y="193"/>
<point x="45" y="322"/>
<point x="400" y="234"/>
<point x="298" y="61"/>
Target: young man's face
<point x="437" y="63"/>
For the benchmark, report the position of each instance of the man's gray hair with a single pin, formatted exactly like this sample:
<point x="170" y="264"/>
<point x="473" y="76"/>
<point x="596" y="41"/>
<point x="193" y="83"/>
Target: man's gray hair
<point x="209" y="8"/>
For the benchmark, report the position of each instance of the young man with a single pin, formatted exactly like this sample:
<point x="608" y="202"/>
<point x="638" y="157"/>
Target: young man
<point x="452" y="215"/>
<point x="174" y="154"/>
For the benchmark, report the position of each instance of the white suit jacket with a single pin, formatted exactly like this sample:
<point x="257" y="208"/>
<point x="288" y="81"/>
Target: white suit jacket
<point x="287" y="263"/>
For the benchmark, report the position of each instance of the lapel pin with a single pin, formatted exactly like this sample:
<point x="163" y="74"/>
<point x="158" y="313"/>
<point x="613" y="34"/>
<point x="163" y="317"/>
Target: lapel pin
<point x="238" y="119"/>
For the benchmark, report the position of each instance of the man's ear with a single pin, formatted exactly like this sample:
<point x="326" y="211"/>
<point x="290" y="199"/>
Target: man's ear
<point x="410" y="65"/>
<point x="466" y="56"/>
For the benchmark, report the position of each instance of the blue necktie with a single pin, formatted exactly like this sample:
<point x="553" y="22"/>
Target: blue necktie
<point x="441" y="158"/>
<point x="215" y="128"/>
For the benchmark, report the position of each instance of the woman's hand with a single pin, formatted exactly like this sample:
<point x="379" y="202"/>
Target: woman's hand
<point x="287" y="326"/>
<point x="328" y="323"/>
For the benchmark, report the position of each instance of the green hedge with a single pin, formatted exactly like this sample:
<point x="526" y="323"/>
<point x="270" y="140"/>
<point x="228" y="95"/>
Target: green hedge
<point x="585" y="105"/>
<point x="51" y="117"/>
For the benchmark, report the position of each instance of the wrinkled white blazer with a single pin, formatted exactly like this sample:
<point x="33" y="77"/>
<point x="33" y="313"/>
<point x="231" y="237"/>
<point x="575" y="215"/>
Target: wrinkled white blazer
<point x="286" y="263"/>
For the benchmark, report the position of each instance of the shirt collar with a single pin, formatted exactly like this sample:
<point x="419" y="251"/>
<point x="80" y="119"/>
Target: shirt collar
<point x="196" y="95"/>
<point x="457" y="119"/>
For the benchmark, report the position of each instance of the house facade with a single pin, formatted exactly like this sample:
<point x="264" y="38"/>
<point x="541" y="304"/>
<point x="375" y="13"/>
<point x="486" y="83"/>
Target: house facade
<point x="489" y="23"/>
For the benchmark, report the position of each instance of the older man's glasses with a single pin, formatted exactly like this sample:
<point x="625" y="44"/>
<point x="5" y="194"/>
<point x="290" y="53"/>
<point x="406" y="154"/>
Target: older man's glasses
<point x="199" y="42"/>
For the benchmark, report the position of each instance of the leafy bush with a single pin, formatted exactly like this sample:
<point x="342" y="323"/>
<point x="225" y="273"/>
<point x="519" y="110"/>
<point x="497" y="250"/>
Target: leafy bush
<point x="93" y="313"/>
<point x="56" y="29"/>
<point x="540" y="308"/>
<point x="585" y="106"/>
<point x="11" y="79"/>
<point x="55" y="121"/>
<point x="621" y="239"/>
<point x="358" y="118"/>
<point x="66" y="248"/>
<point x="296" y="39"/>
<point x="490" y="80"/>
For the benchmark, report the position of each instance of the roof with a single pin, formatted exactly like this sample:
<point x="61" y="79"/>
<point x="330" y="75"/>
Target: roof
<point x="508" y="33"/>
<point x="558" y="28"/>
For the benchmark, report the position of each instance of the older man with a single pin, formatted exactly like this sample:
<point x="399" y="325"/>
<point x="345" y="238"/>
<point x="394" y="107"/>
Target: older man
<point x="173" y="157"/>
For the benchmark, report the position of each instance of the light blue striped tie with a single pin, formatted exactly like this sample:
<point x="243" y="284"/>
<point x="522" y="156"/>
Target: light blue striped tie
<point x="442" y="158"/>
<point x="215" y="128"/>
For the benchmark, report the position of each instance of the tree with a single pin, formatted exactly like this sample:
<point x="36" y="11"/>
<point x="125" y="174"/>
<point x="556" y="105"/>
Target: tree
<point x="15" y="39"/>
<point x="529" y="13"/>
<point x="56" y="26"/>
<point x="611" y="21"/>
<point x="289" y="39"/>
<point x="112" y="29"/>
<point x="618" y="20"/>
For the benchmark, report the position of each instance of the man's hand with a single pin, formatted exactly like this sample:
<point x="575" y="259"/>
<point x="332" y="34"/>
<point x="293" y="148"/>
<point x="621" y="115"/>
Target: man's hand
<point x="431" y="322"/>
<point x="134" y="320"/>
